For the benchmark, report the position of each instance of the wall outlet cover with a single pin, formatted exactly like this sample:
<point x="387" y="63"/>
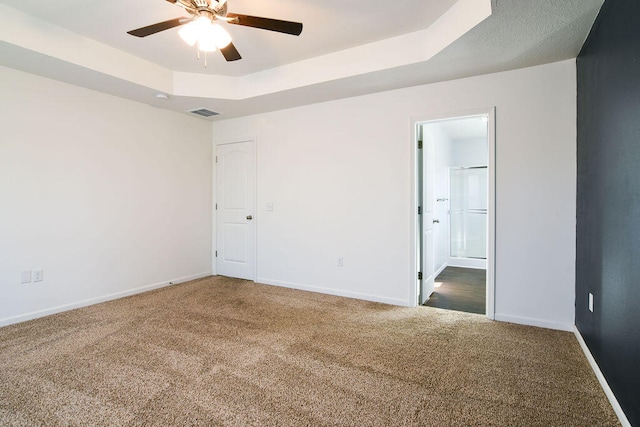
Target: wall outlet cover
<point x="37" y="275"/>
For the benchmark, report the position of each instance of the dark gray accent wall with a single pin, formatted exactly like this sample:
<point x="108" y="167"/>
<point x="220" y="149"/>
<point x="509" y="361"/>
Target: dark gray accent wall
<point x="608" y="205"/>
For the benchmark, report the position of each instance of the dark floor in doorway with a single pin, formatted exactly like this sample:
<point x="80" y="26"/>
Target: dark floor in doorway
<point x="461" y="289"/>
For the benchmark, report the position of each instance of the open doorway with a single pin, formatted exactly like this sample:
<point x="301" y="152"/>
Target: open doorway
<point x="455" y="222"/>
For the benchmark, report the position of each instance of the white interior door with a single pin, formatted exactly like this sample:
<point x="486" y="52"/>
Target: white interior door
<point x="428" y="264"/>
<point x="235" y="210"/>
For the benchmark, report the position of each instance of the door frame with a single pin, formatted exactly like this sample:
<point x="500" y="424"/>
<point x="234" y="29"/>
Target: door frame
<point x="214" y="189"/>
<point x="415" y="228"/>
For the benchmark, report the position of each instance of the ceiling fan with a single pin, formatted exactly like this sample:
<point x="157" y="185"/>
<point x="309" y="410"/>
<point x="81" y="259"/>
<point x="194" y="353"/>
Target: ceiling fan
<point x="203" y="15"/>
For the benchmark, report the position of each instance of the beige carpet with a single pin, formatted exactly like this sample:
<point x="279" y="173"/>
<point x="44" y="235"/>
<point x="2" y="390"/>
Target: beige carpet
<point x="221" y="351"/>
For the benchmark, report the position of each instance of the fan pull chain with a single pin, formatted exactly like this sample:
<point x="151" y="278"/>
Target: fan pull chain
<point x="198" y="57"/>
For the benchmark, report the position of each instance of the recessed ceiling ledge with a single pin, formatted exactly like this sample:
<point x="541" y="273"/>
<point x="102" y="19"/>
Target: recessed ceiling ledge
<point x="416" y="47"/>
<point x="38" y="36"/>
<point x="35" y="35"/>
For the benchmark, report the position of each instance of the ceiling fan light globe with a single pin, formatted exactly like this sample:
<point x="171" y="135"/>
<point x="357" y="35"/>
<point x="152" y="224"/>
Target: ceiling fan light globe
<point x="207" y="44"/>
<point x="221" y="36"/>
<point x="202" y="24"/>
<point x="189" y="33"/>
<point x="207" y="39"/>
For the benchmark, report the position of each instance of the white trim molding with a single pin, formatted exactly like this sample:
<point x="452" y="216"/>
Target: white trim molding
<point x="530" y="321"/>
<point x="603" y="382"/>
<point x="59" y="309"/>
<point x="335" y="292"/>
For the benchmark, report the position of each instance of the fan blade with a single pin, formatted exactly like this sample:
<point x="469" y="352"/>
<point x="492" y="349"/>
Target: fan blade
<point x="160" y="26"/>
<point x="287" y="27"/>
<point x="230" y="53"/>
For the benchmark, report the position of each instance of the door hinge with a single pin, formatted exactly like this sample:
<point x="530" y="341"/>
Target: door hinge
<point x="216" y="254"/>
<point x="216" y="206"/>
<point x="420" y="144"/>
<point x="419" y="210"/>
<point x="216" y="159"/>
<point x="419" y="275"/>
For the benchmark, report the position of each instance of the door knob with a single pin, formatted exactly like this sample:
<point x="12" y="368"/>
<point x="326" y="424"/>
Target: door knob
<point x="436" y="221"/>
<point x="249" y="217"/>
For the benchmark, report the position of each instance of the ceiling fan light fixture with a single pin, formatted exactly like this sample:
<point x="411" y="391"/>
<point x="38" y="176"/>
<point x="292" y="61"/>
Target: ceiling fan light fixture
<point x="189" y="33"/>
<point x="201" y="29"/>
<point x="206" y="34"/>
<point x="207" y="39"/>
<point x="207" y="45"/>
<point x="221" y="36"/>
<point x="196" y="30"/>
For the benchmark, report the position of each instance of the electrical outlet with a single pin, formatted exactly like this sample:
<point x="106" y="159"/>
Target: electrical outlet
<point x="590" y="302"/>
<point x="37" y="275"/>
<point x="25" y="276"/>
<point x="340" y="262"/>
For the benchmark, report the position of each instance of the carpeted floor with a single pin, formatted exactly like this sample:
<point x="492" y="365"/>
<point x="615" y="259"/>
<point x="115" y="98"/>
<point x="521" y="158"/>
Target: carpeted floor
<point x="221" y="351"/>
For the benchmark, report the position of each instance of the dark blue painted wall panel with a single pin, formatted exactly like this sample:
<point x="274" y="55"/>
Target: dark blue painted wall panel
<point x="608" y="205"/>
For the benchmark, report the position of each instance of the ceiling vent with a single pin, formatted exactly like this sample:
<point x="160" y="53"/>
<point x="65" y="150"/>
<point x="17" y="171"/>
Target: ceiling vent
<point x="203" y="112"/>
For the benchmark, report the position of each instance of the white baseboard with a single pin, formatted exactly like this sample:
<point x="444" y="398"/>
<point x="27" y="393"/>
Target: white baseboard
<point x="603" y="382"/>
<point x="65" y="307"/>
<point x="439" y="270"/>
<point x="336" y="292"/>
<point x="468" y="263"/>
<point x="568" y="327"/>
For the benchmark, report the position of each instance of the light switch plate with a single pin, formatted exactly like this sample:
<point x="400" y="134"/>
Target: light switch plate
<point x="25" y="276"/>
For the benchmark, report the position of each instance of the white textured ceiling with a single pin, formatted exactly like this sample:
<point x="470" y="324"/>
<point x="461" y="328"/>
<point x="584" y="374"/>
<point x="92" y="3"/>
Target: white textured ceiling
<point x="346" y="48"/>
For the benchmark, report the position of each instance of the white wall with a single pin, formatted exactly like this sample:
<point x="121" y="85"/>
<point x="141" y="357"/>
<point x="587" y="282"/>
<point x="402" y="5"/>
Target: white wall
<point x="340" y="175"/>
<point x="108" y="196"/>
